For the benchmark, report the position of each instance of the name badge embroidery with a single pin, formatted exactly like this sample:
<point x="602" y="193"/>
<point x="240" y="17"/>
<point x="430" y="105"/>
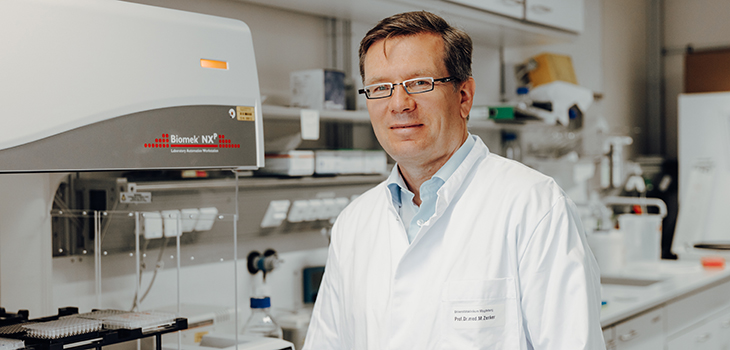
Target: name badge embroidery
<point x="477" y="316"/>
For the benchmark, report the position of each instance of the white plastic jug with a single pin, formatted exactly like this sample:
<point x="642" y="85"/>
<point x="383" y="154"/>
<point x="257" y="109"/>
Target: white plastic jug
<point x="642" y="237"/>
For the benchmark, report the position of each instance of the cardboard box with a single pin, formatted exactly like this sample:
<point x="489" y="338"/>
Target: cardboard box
<point x="318" y="89"/>
<point x="552" y="67"/>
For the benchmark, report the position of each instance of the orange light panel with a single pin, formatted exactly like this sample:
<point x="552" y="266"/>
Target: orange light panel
<point x="213" y="64"/>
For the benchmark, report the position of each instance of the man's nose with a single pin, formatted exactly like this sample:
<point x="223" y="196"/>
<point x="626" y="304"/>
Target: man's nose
<point x="401" y="101"/>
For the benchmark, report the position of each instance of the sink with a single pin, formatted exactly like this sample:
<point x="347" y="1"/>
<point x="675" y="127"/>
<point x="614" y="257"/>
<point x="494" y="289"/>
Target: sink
<point x="629" y="281"/>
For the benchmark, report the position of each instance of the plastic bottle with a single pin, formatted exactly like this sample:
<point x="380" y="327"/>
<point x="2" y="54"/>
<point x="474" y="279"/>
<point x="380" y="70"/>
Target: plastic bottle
<point x="511" y="146"/>
<point x="523" y="99"/>
<point x="261" y="324"/>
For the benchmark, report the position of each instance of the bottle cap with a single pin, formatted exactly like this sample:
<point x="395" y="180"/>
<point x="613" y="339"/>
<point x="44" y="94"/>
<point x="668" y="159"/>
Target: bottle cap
<point x="522" y="90"/>
<point x="261" y="303"/>
<point x="508" y="136"/>
<point x="713" y="262"/>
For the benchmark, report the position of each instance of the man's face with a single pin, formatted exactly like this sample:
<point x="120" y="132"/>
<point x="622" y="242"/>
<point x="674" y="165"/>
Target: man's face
<point x="418" y="129"/>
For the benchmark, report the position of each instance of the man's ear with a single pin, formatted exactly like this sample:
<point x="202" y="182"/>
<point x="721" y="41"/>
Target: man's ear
<point x="466" y="91"/>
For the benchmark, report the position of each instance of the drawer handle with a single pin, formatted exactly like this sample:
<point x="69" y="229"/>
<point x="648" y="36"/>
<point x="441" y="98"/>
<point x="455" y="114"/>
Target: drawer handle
<point x="541" y="9"/>
<point x="704" y="337"/>
<point x="514" y="2"/>
<point x="628" y="336"/>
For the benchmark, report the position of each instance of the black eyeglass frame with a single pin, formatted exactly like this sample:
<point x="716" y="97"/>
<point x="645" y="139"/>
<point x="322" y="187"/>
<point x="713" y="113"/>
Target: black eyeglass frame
<point x="392" y="86"/>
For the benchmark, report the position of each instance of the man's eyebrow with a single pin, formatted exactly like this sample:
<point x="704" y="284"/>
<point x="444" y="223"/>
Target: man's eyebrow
<point x="416" y="74"/>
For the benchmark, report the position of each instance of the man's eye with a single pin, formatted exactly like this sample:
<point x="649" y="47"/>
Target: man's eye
<point x="381" y="88"/>
<point x="421" y="82"/>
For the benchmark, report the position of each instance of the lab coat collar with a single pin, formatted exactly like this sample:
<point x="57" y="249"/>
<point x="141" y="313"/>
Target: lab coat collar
<point x="447" y="192"/>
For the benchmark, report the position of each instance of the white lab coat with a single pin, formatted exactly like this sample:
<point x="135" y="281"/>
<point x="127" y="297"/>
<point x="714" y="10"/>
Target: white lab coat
<point x="502" y="264"/>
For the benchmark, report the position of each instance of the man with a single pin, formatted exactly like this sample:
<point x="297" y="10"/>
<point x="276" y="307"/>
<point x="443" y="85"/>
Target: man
<point x="459" y="248"/>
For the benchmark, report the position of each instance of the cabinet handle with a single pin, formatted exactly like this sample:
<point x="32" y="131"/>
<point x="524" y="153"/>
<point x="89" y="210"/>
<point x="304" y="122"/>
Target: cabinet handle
<point x="541" y="9"/>
<point x="704" y="337"/>
<point x="514" y="2"/>
<point x="628" y="336"/>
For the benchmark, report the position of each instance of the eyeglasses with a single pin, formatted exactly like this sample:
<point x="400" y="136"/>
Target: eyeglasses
<point x="412" y="86"/>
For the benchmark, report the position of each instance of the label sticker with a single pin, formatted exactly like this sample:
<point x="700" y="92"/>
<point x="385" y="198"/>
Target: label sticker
<point x="135" y="197"/>
<point x="309" y="119"/>
<point x="477" y="316"/>
<point x="245" y="113"/>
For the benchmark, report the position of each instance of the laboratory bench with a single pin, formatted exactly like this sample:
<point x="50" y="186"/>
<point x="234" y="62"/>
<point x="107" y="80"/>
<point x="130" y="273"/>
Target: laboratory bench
<point x="666" y="305"/>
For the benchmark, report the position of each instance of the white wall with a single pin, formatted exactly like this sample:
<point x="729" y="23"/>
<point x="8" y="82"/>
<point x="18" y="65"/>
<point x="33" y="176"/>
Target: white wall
<point x="701" y="23"/>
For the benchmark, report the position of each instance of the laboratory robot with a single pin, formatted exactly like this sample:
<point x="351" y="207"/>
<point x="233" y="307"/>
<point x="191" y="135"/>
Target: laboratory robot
<point x="92" y="85"/>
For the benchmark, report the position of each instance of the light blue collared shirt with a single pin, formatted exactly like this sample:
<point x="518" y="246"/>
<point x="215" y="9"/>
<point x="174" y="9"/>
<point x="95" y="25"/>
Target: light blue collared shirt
<point x="413" y="216"/>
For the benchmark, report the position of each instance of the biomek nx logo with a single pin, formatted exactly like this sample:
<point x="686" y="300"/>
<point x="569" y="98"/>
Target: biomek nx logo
<point x="185" y="144"/>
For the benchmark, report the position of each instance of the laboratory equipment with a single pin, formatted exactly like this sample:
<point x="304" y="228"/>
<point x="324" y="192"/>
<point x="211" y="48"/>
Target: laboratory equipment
<point x="704" y="175"/>
<point x="295" y="326"/>
<point x="261" y="323"/>
<point x="227" y="342"/>
<point x="265" y="263"/>
<point x="511" y="146"/>
<point x="642" y="237"/>
<point x="62" y="328"/>
<point x="135" y="87"/>
<point x="637" y="240"/>
<point x="11" y="344"/>
<point x="612" y="163"/>
<point x="114" y="85"/>
<point x="71" y="330"/>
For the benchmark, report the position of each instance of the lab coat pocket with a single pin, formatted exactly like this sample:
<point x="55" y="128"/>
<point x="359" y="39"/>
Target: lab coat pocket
<point x="480" y="315"/>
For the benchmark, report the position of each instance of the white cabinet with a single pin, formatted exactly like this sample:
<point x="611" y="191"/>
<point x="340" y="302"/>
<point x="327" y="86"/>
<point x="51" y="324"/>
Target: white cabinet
<point x="511" y="8"/>
<point x="564" y="14"/>
<point x="722" y="325"/>
<point x="644" y="332"/>
<point x="701" y="337"/>
<point x="609" y="336"/>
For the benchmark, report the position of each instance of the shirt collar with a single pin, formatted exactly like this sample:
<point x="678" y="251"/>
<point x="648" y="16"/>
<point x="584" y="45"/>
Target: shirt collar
<point x="396" y="183"/>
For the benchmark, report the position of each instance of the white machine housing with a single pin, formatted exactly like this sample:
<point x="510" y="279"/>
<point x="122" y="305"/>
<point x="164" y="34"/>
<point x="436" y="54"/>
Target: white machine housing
<point x="704" y="174"/>
<point x="111" y="85"/>
<point x="105" y="85"/>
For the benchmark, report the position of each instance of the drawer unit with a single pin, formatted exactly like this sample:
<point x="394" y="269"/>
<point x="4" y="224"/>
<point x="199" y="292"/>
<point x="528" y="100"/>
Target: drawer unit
<point x="644" y="332"/>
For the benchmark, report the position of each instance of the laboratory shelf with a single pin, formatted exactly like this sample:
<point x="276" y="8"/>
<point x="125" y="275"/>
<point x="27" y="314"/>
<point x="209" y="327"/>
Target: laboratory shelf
<point x="260" y="182"/>
<point x="271" y="112"/>
<point x="90" y="340"/>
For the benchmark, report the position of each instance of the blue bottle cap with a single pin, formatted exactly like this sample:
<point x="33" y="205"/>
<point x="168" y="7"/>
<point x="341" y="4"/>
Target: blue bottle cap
<point x="261" y="303"/>
<point x="522" y="90"/>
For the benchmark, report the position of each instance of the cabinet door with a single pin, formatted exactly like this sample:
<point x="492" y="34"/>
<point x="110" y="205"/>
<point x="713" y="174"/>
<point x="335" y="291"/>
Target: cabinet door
<point x="609" y="337"/>
<point x="512" y="8"/>
<point x="722" y="325"/>
<point x="701" y="337"/>
<point x="564" y="14"/>
<point x="641" y="333"/>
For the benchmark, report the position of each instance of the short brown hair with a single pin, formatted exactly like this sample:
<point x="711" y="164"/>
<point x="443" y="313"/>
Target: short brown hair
<point x="457" y="44"/>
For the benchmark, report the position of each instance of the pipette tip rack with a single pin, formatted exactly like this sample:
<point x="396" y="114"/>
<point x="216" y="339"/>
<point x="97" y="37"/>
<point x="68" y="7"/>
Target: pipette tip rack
<point x="70" y="330"/>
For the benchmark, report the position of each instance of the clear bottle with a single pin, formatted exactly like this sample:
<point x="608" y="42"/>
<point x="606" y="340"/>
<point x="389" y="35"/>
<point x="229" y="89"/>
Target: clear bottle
<point x="511" y="147"/>
<point x="261" y="324"/>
